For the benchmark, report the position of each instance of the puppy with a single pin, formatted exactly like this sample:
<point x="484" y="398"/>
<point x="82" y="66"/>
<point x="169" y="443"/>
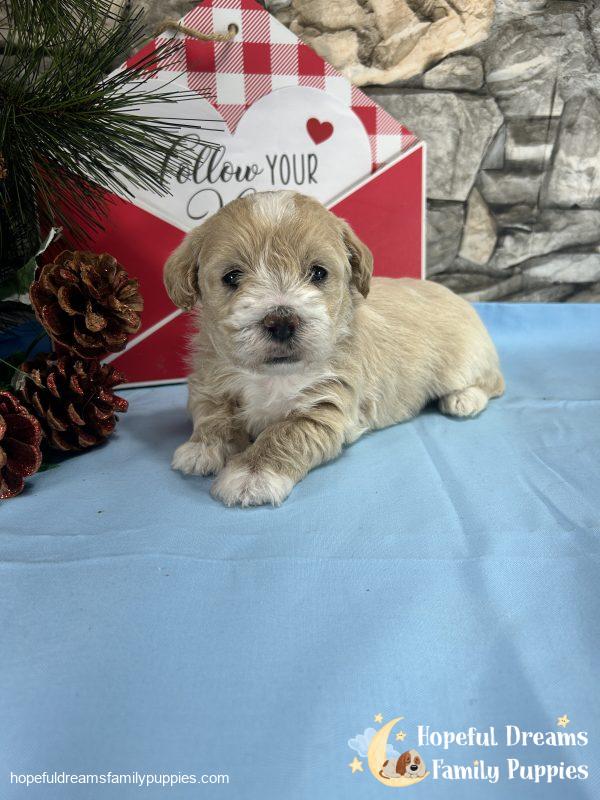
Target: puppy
<point x="299" y="352"/>
<point x="408" y="765"/>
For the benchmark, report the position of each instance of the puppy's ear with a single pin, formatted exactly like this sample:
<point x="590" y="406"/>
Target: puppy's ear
<point x="361" y="260"/>
<point x="181" y="271"/>
<point x="402" y="763"/>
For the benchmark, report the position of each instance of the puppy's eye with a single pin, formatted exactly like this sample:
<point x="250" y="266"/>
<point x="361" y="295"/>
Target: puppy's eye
<point x="317" y="273"/>
<point x="232" y="278"/>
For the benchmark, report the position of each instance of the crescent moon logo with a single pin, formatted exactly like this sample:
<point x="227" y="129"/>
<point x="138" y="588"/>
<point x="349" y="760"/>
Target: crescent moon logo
<point x="376" y="756"/>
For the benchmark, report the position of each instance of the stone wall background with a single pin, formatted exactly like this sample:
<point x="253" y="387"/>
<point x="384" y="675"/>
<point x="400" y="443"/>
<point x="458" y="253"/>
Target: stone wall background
<point x="507" y="96"/>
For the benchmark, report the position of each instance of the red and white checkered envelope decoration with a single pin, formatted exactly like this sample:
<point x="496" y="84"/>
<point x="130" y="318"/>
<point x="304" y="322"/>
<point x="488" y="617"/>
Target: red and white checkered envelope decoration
<point x="278" y="116"/>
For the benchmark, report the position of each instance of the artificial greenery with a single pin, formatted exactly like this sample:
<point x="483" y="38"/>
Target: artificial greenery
<point x="19" y="282"/>
<point x="67" y="122"/>
<point x="8" y="368"/>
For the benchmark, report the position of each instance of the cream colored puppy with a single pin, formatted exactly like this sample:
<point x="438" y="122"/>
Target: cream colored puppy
<point x="299" y="351"/>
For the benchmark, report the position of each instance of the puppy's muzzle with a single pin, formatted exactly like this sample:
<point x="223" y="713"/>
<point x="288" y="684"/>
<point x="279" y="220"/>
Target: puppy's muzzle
<point x="414" y="767"/>
<point x="281" y="324"/>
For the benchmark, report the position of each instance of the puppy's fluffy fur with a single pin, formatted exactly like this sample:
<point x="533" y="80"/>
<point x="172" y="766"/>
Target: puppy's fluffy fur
<point x="366" y="353"/>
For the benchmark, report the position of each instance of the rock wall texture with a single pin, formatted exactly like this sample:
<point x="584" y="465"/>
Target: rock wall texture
<point x="507" y="96"/>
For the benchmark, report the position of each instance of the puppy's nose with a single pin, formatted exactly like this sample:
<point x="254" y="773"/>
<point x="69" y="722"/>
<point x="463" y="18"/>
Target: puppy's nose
<point x="414" y="767"/>
<point x="281" y="324"/>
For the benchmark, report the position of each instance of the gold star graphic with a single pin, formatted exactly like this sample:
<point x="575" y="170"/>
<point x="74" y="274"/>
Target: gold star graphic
<point x="378" y="718"/>
<point x="400" y="736"/>
<point x="355" y="765"/>
<point x="563" y="721"/>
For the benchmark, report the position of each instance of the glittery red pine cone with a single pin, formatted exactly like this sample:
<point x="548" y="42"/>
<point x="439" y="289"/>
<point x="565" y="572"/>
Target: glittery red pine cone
<point x="20" y="437"/>
<point x="87" y="303"/>
<point x="73" y="399"/>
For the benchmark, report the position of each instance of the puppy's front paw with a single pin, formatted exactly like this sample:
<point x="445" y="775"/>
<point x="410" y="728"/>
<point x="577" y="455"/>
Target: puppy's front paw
<point x="239" y="485"/>
<point x="198" y="458"/>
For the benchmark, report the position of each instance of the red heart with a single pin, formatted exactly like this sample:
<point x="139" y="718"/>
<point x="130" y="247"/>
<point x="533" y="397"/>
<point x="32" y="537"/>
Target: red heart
<point x="319" y="131"/>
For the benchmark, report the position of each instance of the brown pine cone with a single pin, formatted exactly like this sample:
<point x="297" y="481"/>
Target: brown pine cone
<point x="73" y="399"/>
<point x="20" y="437"/>
<point x="87" y="303"/>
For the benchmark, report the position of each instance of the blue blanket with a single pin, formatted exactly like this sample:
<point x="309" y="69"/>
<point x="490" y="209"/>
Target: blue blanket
<point x="444" y="571"/>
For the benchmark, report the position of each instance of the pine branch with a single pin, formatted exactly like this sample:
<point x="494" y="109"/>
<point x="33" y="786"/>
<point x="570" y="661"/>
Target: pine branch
<point x="68" y="126"/>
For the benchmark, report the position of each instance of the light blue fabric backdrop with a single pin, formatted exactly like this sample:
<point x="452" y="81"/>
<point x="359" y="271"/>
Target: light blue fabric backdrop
<point x="443" y="570"/>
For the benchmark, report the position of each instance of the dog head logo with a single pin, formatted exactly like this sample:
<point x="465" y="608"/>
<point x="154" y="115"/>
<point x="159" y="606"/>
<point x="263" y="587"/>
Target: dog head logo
<point x="386" y="764"/>
<point x="409" y="764"/>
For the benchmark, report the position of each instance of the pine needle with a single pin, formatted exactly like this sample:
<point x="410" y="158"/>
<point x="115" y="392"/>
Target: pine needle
<point x="69" y="127"/>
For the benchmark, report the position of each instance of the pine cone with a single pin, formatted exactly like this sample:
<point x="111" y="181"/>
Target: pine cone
<point x="72" y="399"/>
<point x="20" y="454"/>
<point x="87" y="303"/>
